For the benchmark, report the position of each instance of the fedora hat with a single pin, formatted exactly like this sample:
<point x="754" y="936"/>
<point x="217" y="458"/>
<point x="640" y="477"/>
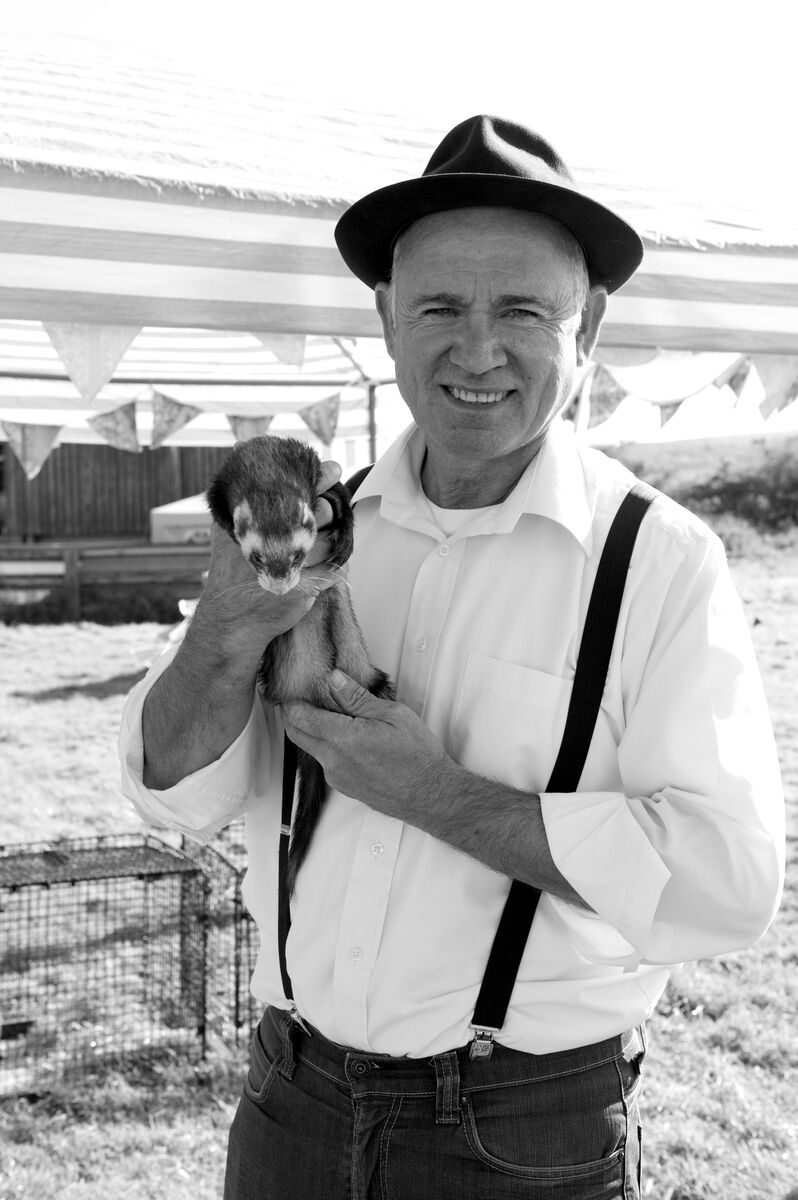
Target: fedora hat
<point x="488" y="162"/>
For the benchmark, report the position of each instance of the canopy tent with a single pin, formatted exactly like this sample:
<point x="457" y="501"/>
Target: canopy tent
<point x="160" y="229"/>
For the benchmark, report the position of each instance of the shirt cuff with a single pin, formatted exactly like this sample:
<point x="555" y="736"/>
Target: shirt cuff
<point x="205" y="801"/>
<point x="598" y="846"/>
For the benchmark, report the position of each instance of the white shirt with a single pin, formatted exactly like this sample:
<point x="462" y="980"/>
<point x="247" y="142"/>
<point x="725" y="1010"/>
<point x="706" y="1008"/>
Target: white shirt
<point x="675" y="838"/>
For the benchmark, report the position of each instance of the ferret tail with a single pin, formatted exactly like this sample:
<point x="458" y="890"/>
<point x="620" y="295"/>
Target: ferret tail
<point x="311" y="794"/>
<point x="381" y="686"/>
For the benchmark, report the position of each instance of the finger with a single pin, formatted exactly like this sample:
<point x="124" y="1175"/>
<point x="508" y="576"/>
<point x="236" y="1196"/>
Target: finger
<point x="330" y="474"/>
<point x="303" y="724"/>
<point x="323" y="512"/>
<point x="353" y="699"/>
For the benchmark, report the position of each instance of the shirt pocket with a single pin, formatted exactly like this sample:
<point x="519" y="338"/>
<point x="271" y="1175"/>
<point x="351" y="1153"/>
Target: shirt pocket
<point x="508" y="721"/>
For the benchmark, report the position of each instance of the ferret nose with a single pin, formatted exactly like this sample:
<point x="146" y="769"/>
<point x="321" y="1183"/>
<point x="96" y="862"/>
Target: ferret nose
<point x="279" y="586"/>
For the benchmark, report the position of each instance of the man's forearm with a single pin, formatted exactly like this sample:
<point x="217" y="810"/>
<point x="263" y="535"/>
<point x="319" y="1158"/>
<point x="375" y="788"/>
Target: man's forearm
<point x="498" y="825"/>
<point x="196" y="709"/>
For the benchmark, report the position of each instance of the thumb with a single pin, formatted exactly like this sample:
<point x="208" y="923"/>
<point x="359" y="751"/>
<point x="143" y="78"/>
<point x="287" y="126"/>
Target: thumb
<point x="351" y="698"/>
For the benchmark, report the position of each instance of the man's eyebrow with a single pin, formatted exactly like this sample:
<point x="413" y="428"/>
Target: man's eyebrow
<point x="516" y="300"/>
<point x="452" y="300"/>
<point x="445" y="299"/>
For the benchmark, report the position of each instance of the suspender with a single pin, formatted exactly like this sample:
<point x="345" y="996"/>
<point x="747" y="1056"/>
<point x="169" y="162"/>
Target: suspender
<point x="591" y="671"/>
<point x="588" y="686"/>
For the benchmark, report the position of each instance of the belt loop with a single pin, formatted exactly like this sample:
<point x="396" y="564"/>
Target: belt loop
<point x="287" y="1065"/>
<point x="447" y="1089"/>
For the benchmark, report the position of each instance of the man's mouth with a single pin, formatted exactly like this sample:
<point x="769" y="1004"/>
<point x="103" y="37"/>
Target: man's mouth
<point x="471" y="397"/>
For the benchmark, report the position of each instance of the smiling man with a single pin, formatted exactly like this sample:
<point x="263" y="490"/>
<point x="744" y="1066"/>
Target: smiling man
<point x="576" y="787"/>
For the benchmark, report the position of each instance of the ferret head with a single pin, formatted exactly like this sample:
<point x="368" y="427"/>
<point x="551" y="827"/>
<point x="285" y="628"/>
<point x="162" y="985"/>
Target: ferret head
<point x="275" y="539"/>
<point x="263" y="497"/>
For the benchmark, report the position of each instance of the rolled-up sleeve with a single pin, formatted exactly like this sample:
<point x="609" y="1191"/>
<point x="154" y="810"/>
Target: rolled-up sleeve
<point x="207" y="800"/>
<point x="688" y="860"/>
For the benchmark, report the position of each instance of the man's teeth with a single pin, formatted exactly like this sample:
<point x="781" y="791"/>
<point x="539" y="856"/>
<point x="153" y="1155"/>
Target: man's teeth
<point x="477" y="397"/>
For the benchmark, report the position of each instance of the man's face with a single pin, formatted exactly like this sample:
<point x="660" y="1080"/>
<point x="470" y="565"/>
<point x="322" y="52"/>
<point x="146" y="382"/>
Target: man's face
<point x="488" y="332"/>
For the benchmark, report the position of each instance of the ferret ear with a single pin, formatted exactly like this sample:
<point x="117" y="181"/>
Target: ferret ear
<point x="216" y="496"/>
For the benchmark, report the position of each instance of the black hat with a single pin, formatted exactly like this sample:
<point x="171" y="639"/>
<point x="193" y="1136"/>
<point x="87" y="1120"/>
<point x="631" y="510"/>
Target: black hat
<point x="488" y="162"/>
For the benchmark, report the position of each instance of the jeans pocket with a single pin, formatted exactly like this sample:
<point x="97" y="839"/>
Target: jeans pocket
<point x="565" y="1181"/>
<point x="261" y="1073"/>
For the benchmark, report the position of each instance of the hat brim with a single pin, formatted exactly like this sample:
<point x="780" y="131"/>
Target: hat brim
<point x="366" y="232"/>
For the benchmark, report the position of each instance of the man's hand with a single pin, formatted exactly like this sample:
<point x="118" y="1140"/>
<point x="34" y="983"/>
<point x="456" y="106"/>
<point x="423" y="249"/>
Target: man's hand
<point x="381" y="753"/>
<point x="377" y="751"/>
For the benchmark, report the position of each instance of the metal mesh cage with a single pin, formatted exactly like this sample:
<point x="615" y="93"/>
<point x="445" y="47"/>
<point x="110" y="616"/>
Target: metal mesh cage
<point x="103" y="954"/>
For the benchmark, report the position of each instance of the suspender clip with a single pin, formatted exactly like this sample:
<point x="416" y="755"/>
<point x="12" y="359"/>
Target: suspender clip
<point x="482" y="1045"/>
<point x="294" y="1012"/>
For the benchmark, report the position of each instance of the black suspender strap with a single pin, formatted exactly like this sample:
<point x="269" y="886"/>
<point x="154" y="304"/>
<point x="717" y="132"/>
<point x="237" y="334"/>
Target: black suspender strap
<point x="588" y="687"/>
<point x="283" y="899"/>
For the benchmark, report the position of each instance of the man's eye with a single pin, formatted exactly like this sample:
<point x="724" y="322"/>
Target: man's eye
<point x="521" y="314"/>
<point x="438" y="312"/>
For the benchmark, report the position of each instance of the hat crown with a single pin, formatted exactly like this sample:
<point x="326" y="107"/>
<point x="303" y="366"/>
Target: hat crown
<point x="486" y="145"/>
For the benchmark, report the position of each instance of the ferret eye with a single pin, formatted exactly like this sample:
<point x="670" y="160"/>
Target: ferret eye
<point x="297" y="556"/>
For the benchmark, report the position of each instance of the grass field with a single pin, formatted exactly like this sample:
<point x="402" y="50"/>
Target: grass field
<point x="722" y="1082"/>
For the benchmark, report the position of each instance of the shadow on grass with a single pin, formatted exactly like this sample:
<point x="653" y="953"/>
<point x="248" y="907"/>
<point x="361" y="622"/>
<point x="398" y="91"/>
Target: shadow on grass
<point x="98" y="689"/>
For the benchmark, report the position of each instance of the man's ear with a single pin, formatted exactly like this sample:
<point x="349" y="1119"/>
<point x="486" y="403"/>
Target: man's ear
<point x="590" y="324"/>
<point x="383" y="302"/>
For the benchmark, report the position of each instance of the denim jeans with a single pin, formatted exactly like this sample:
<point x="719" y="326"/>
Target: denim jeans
<point x="319" y="1122"/>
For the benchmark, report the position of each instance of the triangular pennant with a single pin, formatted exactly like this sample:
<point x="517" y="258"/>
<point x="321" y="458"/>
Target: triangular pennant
<point x="90" y="353"/>
<point x="118" y="427"/>
<point x="168" y="416"/>
<point x="245" y="428"/>
<point x="288" y="347"/>
<point x="322" y="418"/>
<point x="779" y="375"/>
<point x="31" y="444"/>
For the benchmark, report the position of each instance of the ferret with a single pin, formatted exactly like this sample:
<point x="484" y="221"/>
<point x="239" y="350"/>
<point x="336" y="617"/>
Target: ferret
<point x="263" y="496"/>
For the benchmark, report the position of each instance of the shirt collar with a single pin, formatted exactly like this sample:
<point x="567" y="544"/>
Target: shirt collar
<point x="553" y="486"/>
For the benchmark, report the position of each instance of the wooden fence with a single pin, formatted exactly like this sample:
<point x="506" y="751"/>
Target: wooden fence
<point x="73" y="566"/>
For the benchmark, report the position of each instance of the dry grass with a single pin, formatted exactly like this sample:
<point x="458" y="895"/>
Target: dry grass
<point x="720" y="1104"/>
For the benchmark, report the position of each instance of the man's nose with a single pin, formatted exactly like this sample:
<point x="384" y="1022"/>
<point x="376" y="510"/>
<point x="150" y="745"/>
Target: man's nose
<point x="478" y="347"/>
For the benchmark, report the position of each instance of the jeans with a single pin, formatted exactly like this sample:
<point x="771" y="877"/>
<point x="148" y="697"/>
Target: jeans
<point x="318" y="1121"/>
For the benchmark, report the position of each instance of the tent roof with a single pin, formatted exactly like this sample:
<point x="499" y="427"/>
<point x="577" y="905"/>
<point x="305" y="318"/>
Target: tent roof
<point x="135" y="194"/>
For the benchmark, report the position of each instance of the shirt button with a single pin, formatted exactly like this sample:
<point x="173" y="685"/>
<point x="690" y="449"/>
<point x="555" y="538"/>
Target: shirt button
<point x="421" y="645"/>
<point x="443" y="551"/>
<point x="356" y="953"/>
<point x="377" y="849"/>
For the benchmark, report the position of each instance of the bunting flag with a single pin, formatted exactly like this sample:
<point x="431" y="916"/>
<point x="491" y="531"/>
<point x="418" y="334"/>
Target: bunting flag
<point x="168" y="416"/>
<point x="249" y="427"/>
<point x="779" y="375"/>
<point x="118" y="427"/>
<point x="287" y="347"/>
<point x="90" y="353"/>
<point x="31" y="444"/>
<point x="321" y="418"/>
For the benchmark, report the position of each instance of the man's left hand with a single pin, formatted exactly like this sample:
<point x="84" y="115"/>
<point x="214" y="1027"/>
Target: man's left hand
<point x="374" y="750"/>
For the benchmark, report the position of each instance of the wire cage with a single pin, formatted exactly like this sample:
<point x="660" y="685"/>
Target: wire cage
<point x="103" y="954"/>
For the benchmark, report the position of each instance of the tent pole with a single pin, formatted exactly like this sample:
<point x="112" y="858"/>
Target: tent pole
<point x="372" y="404"/>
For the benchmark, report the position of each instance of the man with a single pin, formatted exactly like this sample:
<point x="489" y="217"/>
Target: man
<point x="478" y="539"/>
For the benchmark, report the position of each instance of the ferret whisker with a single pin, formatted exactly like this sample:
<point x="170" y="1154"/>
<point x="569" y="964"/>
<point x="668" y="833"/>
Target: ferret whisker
<point x="234" y="587"/>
